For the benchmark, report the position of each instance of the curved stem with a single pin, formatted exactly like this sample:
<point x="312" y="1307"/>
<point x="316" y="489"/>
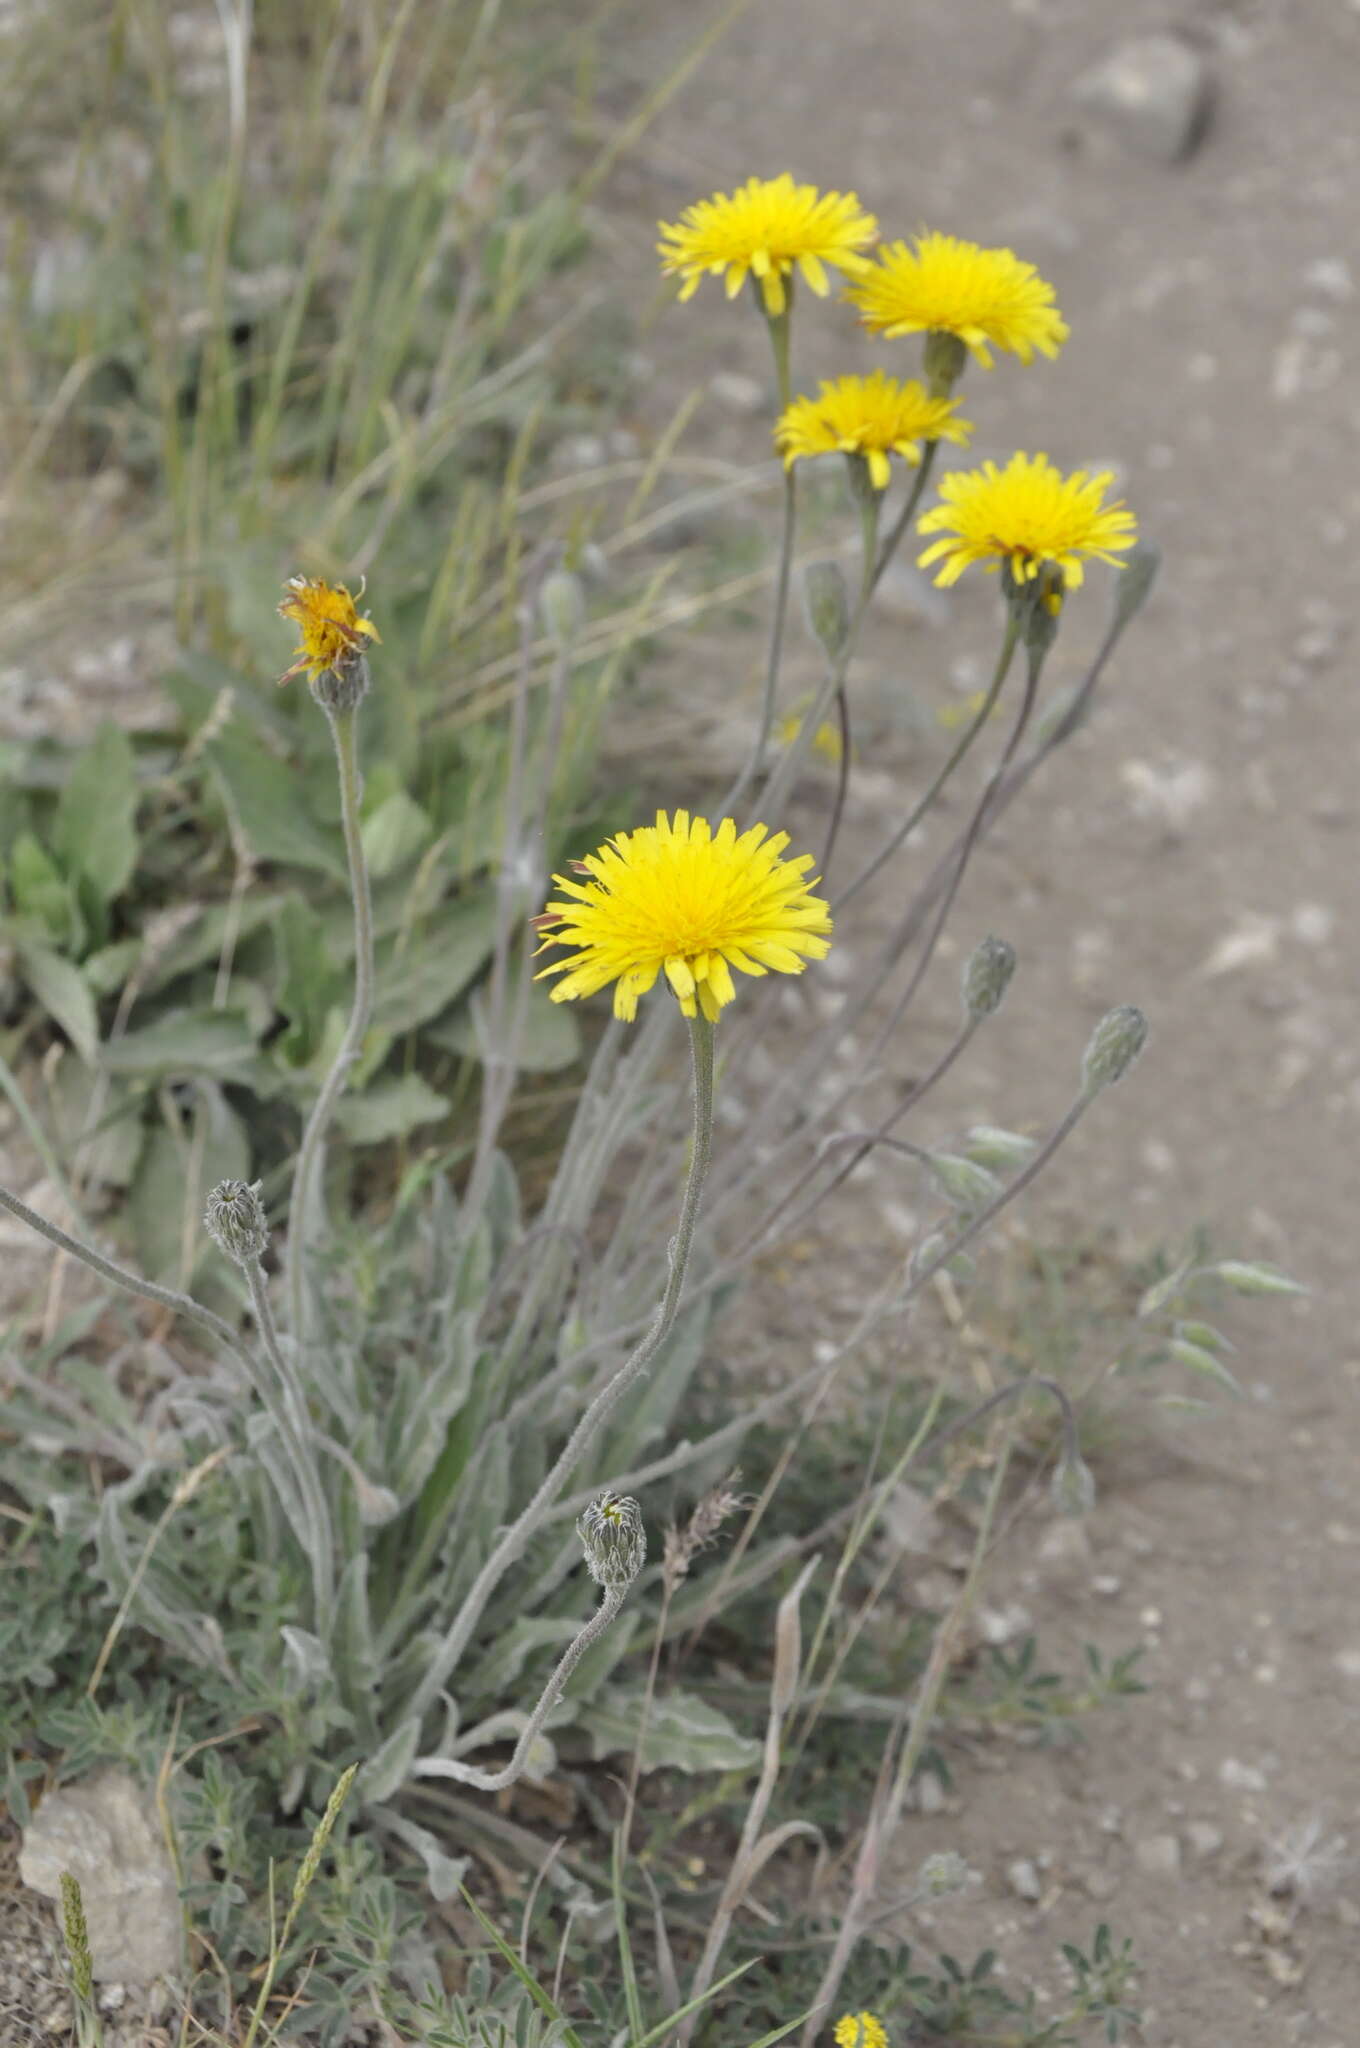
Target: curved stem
<point x="515" y="1538"/>
<point x="903" y="519"/>
<point x="868" y="514"/>
<point x="496" y="1781"/>
<point x="343" y="732"/>
<point x="779" y="327"/>
<point x="131" y="1283"/>
<point x="915" y="815"/>
<point x="730" y="1433"/>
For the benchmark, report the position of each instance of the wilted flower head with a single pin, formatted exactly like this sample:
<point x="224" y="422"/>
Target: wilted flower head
<point x="332" y="632"/>
<point x="766" y="229"/>
<point x="1114" y="1045"/>
<point x="1028" y="517"/>
<point x="872" y="417"/>
<point x="613" y="1538"/>
<point x="235" y="1220"/>
<point x="986" y="298"/>
<point x="679" y="897"/>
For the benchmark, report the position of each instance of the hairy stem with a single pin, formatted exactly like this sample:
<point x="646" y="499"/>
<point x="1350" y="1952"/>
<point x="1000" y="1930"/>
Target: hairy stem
<point x="296" y="1428"/>
<point x="513" y="1541"/>
<point x="496" y="1781"/>
<point x="343" y="726"/>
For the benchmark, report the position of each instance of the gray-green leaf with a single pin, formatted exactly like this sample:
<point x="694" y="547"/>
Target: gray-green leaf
<point x="683" y="1733"/>
<point x="96" y="833"/>
<point x="61" y="989"/>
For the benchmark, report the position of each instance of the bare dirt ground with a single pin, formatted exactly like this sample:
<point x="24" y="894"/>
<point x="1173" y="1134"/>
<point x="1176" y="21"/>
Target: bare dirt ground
<point x="1194" y="850"/>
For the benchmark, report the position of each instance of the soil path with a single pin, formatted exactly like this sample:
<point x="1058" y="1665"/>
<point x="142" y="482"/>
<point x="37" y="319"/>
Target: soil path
<point x="1194" y="850"/>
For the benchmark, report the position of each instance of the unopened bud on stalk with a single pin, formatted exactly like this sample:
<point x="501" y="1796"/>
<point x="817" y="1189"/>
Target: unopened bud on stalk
<point x="826" y="604"/>
<point x="235" y="1221"/>
<point x="1115" y="1044"/>
<point x="943" y="361"/>
<point x="343" y="687"/>
<point x="969" y="1186"/>
<point x="613" y="1538"/>
<point x="1073" y="1487"/>
<point x="562" y="603"/>
<point x="987" y="976"/>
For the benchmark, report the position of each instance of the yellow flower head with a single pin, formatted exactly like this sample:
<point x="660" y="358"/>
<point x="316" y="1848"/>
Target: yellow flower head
<point x="860" y="2030"/>
<point x="945" y="286"/>
<point x="1026" y="515"/>
<point x="765" y="230"/>
<point x="328" y="622"/>
<point x="874" y="416"/>
<point x="680" y="897"/>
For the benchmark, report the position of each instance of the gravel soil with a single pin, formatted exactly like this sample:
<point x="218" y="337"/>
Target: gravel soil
<point x="1193" y="850"/>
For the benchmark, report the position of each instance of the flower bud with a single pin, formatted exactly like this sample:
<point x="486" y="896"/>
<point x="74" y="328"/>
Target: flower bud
<point x="987" y="976"/>
<point x="613" y="1538"/>
<point x="1115" y="1044"/>
<point x="943" y="361"/>
<point x="970" y="1187"/>
<point x="235" y="1221"/>
<point x="826" y="605"/>
<point x="562" y="604"/>
<point x="343" y="687"/>
<point x="991" y="1146"/>
<point x="1073" y="1487"/>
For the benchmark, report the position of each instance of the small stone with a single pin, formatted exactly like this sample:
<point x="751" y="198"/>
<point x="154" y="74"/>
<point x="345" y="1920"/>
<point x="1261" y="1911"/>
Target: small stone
<point x="929" y="1793"/>
<point x="105" y="1832"/>
<point x="1023" y="1878"/>
<point x="1064" y="1549"/>
<point x="998" y="1626"/>
<point x="910" y="1522"/>
<point x="1204" y="1838"/>
<point x="1347" y="1663"/>
<point x="1099" y="1885"/>
<point x="740" y="394"/>
<point x="904" y="593"/>
<point x="1154" y="92"/>
<point x="1107" y="1584"/>
<point x="1198" y="1691"/>
<point x="1240" y="1777"/>
<point x="1158" y="1855"/>
<point x="1331" y="276"/>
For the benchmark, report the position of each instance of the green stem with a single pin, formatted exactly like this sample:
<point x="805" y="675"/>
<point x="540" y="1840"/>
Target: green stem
<point x="869" y="509"/>
<point x="904" y="517"/>
<point x="887" y="1808"/>
<point x="131" y="1283"/>
<point x="297" y="1430"/>
<point x="496" y="1781"/>
<point x="914" y="817"/>
<point x="516" y="1537"/>
<point x="343" y="732"/>
<point x="779" y="327"/>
